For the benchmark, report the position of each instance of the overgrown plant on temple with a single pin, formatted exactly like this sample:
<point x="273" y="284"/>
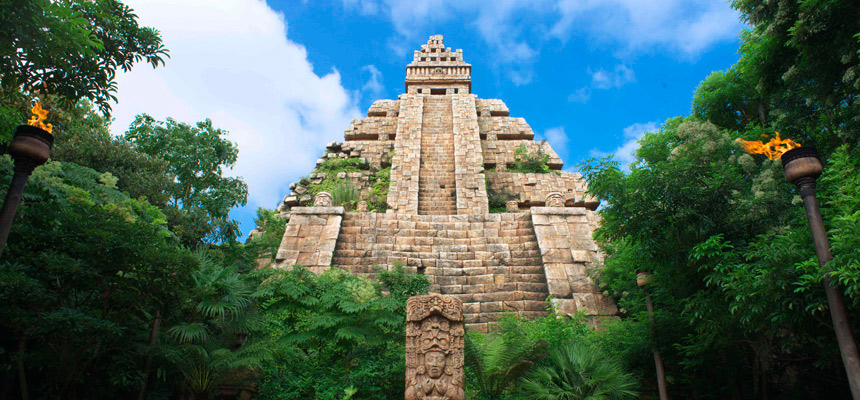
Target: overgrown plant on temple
<point x="530" y="161"/>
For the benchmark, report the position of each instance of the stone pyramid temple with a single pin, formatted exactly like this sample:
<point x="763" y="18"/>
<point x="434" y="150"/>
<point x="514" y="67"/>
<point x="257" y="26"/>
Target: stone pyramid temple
<point x="447" y="149"/>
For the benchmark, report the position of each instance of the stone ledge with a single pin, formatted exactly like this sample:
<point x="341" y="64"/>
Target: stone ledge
<point x="318" y="210"/>
<point x="557" y="210"/>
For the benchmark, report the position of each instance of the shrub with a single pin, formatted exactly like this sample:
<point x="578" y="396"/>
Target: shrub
<point x="379" y="193"/>
<point x="530" y="162"/>
<point x="344" y="194"/>
<point x="577" y="371"/>
<point x="498" y="199"/>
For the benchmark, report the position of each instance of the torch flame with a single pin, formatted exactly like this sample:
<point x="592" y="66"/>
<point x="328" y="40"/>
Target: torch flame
<point x="772" y="149"/>
<point x="39" y="115"/>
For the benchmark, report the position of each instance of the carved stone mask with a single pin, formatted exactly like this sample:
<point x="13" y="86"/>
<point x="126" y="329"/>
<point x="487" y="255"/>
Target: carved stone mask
<point x="435" y="364"/>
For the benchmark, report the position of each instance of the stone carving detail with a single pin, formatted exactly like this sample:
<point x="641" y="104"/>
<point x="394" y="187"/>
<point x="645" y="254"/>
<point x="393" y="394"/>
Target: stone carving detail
<point x="322" y="199"/>
<point x="362" y="206"/>
<point x="512" y="206"/>
<point x="434" y="348"/>
<point x="555" y="199"/>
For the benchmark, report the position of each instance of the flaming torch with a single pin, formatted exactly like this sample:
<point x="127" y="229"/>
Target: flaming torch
<point x="801" y="166"/>
<point x="30" y="147"/>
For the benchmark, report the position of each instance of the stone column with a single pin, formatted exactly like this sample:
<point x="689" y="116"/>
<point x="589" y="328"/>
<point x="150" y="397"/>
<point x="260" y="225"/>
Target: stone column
<point x="434" y="348"/>
<point x="405" y="165"/>
<point x="468" y="157"/>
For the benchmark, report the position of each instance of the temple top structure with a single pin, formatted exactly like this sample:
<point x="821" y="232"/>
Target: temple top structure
<point x="436" y="69"/>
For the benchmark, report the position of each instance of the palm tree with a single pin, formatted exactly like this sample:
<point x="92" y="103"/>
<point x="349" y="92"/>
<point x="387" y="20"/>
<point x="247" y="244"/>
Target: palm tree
<point x="215" y="341"/>
<point x="494" y="363"/>
<point x="576" y="371"/>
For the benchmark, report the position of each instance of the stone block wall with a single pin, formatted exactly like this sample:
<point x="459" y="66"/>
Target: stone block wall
<point x="384" y="108"/>
<point x="376" y="153"/>
<point x="569" y="257"/>
<point x="500" y="153"/>
<point x="403" y="192"/>
<point x="505" y="128"/>
<point x="491" y="262"/>
<point x="310" y="238"/>
<point x="532" y="189"/>
<point x="437" y="136"/>
<point x="468" y="157"/>
<point x="371" y="128"/>
<point x="491" y="108"/>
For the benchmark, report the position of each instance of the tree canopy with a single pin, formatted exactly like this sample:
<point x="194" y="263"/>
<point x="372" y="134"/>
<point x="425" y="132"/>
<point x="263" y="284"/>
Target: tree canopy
<point x="72" y="48"/>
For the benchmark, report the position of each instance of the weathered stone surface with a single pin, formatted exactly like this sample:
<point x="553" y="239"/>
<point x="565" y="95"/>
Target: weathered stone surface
<point x="439" y="139"/>
<point x="434" y="348"/>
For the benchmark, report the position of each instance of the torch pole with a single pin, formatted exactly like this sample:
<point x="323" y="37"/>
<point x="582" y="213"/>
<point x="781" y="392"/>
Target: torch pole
<point x="847" y="346"/>
<point x="658" y="361"/>
<point x="13" y="198"/>
<point x="643" y="280"/>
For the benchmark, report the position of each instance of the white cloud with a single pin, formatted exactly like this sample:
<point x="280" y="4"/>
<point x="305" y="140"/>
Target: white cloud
<point x="624" y="154"/>
<point x="603" y="79"/>
<point x="580" y="96"/>
<point x="496" y="24"/>
<point x="557" y="138"/>
<point x="687" y="27"/>
<point x="231" y="61"/>
<point x="373" y="87"/>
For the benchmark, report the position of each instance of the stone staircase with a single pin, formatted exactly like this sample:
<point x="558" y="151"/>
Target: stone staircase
<point x="492" y="261"/>
<point x="436" y="188"/>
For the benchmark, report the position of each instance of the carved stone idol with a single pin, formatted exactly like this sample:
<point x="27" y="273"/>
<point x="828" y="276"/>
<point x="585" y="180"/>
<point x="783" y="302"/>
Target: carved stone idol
<point x="323" y="199"/>
<point x="512" y="206"/>
<point x="434" y="348"/>
<point x="555" y="199"/>
<point x="362" y="206"/>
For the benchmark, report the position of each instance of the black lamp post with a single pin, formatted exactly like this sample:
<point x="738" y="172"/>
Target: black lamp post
<point x="643" y="279"/>
<point x="801" y="167"/>
<point x="30" y="147"/>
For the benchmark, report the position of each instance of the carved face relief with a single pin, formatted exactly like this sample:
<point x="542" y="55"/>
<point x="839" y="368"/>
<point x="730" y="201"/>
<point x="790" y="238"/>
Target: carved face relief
<point x="512" y="206"/>
<point x="434" y="348"/>
<point x="555" y="199"/>
<point x="323" y="199"/>
<point x="434" y="361"/>
<point x="362" y="207"/>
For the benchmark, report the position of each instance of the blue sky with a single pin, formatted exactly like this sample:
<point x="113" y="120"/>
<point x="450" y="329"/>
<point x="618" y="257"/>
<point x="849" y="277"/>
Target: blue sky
<point x="285" y="77"/>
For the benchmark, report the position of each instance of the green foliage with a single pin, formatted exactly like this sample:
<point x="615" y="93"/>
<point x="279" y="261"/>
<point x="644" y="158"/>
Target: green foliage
<point x="72" y="48"/>
<point x="344" y="194"/>
<point x="10" y="118"/>
<point x="840" y="186"/>
<point x="82" y="136"/>
<point x="266" y="244"/>
<point x="85" y="268"/>
<point x="498" y="200"/>
<point x="495" y="362"/>
<point x="732" y="262"/>
<point x="379" y="192"/>
<point x="343" y="165"/>
<point x="218" y="332"/>
<point x="200" y="195"/>
<point x="577" y="371"/>
<point x="336" y="334"/>
<point x="531" y="162"/>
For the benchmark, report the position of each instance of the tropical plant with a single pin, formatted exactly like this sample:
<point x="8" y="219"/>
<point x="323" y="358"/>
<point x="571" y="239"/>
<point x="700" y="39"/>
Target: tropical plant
<point x="345" y="195"/>
<point x="496" y="361"/>
<point x="85" y="270"/>
<point x="336" y="334"/>
<point x="531" y="161"/>
<point x="200" y="196"/>
<point x="577" y="371"/>
<point x="218" y="335"/>
<point x="72" y="48"/>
